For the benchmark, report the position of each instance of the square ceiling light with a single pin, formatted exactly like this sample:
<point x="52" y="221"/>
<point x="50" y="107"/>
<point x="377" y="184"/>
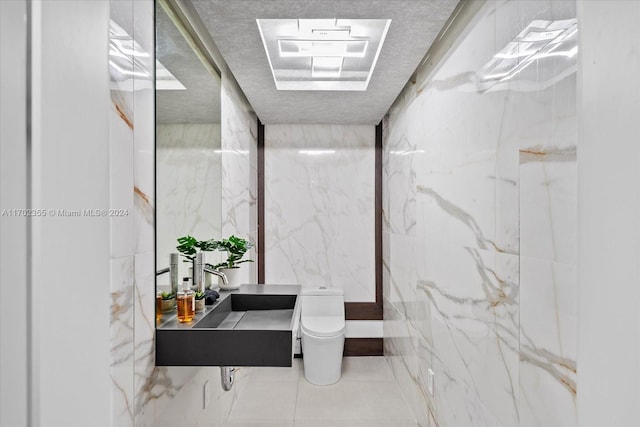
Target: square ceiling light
<point x="322" y="54"/>
<point x="125" y="63"/>
<point x="548" y="45"/>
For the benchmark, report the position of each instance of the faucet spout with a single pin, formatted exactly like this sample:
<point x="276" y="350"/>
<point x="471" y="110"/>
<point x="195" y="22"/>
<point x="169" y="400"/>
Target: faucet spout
<point x="217" y="273"/>
<point x="200" y="269"/>
<point x="172" y="270"/>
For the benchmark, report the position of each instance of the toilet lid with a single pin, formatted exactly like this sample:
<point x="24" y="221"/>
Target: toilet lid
<point x="322" y="326"/>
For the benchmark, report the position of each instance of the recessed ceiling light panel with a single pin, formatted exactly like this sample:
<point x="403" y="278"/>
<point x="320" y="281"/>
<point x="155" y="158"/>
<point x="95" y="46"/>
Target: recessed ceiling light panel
<point x="322" y="54"/>
<point x="550" y="44"/>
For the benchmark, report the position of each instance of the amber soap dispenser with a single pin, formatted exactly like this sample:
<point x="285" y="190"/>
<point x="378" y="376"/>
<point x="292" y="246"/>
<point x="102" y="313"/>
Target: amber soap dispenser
<point x="186" y="303"/>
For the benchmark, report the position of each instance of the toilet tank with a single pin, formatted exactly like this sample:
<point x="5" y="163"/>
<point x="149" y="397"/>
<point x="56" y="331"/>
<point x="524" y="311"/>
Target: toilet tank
<point x="323" y="302"/>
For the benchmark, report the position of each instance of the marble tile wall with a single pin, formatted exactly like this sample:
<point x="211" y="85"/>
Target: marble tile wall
<point x="123" y="194"/>
<point x="479" y="200"/>
<point x="319" y="207"/>
<point x="239" y="171"/>
<point x="189" y="186"/>
<point x="143" y="394"/>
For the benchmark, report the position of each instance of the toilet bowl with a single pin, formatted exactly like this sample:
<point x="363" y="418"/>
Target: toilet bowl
<point x="322" y="325"/>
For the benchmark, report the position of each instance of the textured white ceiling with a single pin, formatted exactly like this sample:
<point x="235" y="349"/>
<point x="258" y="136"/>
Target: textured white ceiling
<point x="200" y="102"/>
<point x="232" y="24"/>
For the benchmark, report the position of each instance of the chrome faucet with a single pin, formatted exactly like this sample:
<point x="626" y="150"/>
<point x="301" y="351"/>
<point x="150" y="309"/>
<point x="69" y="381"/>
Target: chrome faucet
<point x="199" y="269"/>
<point x="173" y="272"/>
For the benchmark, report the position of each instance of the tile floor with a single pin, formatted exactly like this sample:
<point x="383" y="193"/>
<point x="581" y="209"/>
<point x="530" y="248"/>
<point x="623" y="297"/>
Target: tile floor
<point x="366" y="395"/>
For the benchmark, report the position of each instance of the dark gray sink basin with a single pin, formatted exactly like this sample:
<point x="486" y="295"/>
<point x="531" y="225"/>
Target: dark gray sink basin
<point x="253" y="326"/>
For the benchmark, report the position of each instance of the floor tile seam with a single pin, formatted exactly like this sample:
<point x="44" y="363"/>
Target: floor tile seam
<point x="359" y="424"/>
<point x="295" y="405"/>
<point x="362" y="420"/>
<point x="274" y="381"/>
<point x="406" y="401"/>
<point x="342" y="381"/>
<point x="259" y="421"/>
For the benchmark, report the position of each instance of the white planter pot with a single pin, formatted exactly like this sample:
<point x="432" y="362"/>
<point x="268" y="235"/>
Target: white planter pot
<point x="233" y="277"/>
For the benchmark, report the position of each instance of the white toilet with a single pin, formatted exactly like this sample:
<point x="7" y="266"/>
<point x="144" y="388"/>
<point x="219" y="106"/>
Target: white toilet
<point x="322" y="326"/>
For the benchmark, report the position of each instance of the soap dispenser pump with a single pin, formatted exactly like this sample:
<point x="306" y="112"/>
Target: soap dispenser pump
<point x="186" y="302"/>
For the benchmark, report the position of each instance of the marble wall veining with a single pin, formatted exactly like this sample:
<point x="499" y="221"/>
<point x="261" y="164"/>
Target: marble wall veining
<point x="143" y="394"/>
<point x="479" y="201"/>
<point x="239" y="171"/>
<point x="132" y="189"/>
<point x="319" y="207"/>
<point x="189" y="186"/>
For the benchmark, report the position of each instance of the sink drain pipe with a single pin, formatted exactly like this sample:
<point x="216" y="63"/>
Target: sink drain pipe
<point x="226" y="377"/>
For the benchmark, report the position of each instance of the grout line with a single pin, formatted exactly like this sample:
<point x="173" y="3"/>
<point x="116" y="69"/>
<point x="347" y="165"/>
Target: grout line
<point x="300" y="378"/>
<point x="383" y="383"/>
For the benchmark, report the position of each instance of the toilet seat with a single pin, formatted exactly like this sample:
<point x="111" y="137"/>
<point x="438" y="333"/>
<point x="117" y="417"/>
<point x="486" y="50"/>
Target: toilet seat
<point x="323" y="326"/>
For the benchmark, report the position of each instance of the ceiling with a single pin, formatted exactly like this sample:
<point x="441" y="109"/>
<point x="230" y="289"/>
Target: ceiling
<point x="414" y="27"/>
<point x="199" y="102"/>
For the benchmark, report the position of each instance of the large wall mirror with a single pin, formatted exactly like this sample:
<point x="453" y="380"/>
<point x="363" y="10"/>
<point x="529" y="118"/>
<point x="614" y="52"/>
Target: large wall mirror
<point x="188" y="148"/>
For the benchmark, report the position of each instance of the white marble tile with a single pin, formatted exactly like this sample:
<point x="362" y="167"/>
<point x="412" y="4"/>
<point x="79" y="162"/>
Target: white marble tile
<point x="457" y="404"/>
<point x="460" y="180"/>
<point x="144" y="130"/>
<point x="277" y="374"/>
<point x="122" y="310"/>
<point x="319" y="195"/>
<point x="403" y="356"/>
<point x="548" y="347"/>
<point x="189" y="188"/>
<point x="400" y="177"/>
<point x="548" y="204"/>
<point x="492" y="178"/>
<point x="265" y="401"/>
<point x="239" y="175"/>
<point x="347" y="400"/>
<point x="122" y="341"/>
<point x="121" y="183"/>
<point x="354" y="423"/>
<point x="122" y="242"/>
<point x="228" y="399"/>
<point x="475" y="328"/>
<point x="121" y="136"/>
<point x="280" y="423"/>
<point x="122" y="397"/>
<point x="186" y="406"/>
<point x="146" y="374"/>
<point x="366" y="369"/>
<point x="407" y="261"/>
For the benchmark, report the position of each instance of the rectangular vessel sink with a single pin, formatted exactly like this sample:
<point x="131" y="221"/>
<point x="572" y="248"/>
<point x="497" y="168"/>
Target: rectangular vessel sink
<point x="253" y="326"/>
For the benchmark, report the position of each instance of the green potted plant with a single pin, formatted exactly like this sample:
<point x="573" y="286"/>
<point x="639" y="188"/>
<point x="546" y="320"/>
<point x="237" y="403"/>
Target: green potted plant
<point x="189" y="246"/>
<point x="168" y="301"/>
<point x="235" y="247"/>
<point x="199" y="301"/>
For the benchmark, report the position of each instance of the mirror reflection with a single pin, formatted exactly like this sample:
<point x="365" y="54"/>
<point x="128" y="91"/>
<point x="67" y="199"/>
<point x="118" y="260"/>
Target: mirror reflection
<point x="188" y="156"/>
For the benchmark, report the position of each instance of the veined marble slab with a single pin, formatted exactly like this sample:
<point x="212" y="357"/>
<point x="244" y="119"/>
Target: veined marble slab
<point x="189" y="185"/>
<point x="480" y="192"/>
<point x="239" y="172"/>
<point x="319" y="207"/>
